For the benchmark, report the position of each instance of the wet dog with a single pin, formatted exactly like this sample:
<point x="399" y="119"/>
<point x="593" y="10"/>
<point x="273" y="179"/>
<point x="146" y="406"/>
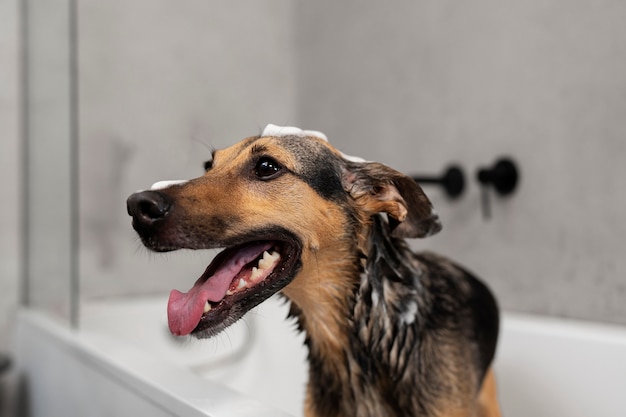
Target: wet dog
<point x="390" y="332"/>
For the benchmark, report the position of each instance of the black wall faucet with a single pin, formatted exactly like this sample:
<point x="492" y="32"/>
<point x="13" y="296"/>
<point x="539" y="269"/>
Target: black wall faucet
<point x="503" y="177"/>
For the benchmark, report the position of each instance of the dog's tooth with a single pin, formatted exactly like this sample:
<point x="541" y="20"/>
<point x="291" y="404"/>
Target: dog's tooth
<point x="241" y="284"/>
<point x="256" y="273"/>
<point x="266" y="261"/>
<point x="207" y="307"/>
<point x="269" y="259"/>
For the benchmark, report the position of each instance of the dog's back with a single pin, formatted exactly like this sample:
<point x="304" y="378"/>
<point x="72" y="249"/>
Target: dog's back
<point x="424" y="337"/>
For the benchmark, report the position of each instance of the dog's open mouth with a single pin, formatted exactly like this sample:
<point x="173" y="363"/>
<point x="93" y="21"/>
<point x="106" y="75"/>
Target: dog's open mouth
<point x="238" y="279"/>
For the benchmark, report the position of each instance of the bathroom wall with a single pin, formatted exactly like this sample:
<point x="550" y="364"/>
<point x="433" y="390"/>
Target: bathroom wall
<point x="412" y="84"/>
<point x="420" y="84"/>
<point x="161" y="84"/>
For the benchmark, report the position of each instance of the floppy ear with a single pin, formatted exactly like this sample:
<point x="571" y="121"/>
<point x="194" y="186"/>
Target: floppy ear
<point x="376" y="188"/>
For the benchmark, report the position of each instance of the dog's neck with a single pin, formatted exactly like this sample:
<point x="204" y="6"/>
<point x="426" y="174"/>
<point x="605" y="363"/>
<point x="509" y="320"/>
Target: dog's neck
<point x="323" y="300"/>
<point x="364" y="300"/>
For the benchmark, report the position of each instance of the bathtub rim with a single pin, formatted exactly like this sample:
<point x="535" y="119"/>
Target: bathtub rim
<point x="195" y="397"/>
<point x="169" y="386"/>
<point x="564" y="327"/>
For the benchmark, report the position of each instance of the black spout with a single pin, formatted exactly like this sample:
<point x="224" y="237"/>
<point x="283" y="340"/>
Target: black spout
<point x="452" y="181"/>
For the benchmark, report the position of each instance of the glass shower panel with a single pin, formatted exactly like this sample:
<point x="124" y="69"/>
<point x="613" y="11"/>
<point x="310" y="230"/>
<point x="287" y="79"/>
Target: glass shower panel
<point x="50" y="158"/>
<point x="161" y="84"/>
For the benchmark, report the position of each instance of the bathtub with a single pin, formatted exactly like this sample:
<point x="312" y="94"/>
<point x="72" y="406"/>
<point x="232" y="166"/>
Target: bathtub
<point x="123" y="362"/>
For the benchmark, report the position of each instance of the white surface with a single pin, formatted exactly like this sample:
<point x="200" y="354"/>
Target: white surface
<point x="120" y="364"/>
<point x="270" y="355"/>
<point x="544" y="367"/>
<point x="550" y="367"/>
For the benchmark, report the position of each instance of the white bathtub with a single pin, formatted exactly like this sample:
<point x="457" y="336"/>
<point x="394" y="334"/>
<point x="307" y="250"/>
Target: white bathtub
<point x="123" y="362"/>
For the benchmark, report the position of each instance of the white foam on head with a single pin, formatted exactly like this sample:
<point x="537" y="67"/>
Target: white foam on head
<point x="353" y="158"/>
<point x="274" y="130"/>
<point x="164" y="184"/>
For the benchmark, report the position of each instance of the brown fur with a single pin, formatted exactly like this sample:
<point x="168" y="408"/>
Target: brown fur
<point x="364" y="360"/>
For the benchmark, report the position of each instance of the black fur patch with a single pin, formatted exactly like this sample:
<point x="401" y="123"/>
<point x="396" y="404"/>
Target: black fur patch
<point x="318" y="166"/>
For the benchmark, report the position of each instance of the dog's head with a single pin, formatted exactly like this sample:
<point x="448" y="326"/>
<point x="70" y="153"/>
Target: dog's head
<point x="281" y="205"/>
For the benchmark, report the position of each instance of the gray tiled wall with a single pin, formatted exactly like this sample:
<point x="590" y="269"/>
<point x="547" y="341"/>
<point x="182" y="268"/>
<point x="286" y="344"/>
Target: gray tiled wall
<point x="422" y="84"/>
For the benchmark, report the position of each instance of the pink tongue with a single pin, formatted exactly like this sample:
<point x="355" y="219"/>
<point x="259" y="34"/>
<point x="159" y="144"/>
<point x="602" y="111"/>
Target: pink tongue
<point x="184" y="310"/>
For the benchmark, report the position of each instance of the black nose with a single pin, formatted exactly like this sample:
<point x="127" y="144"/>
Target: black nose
<point x="148" y="207"/>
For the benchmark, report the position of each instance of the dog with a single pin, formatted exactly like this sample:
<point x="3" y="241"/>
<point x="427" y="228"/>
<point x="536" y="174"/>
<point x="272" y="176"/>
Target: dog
<point x="389" y="332"/>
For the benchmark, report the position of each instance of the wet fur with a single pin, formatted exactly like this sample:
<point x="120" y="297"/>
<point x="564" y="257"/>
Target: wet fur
<point x="390" y="332"/>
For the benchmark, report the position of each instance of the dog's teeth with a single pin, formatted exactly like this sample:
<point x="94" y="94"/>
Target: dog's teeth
<point x="207" y="307"/>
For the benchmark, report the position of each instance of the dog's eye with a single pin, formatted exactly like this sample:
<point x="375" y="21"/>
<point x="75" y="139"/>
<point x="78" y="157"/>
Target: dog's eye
<point x="266" y="168"/>
<point x="208" y="165"/>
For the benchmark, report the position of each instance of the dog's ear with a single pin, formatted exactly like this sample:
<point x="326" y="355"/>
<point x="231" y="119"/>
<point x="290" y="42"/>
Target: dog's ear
<point x="376" y="188"/>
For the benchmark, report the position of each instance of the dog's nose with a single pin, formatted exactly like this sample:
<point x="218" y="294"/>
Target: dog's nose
<point x="148" y="207"/>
